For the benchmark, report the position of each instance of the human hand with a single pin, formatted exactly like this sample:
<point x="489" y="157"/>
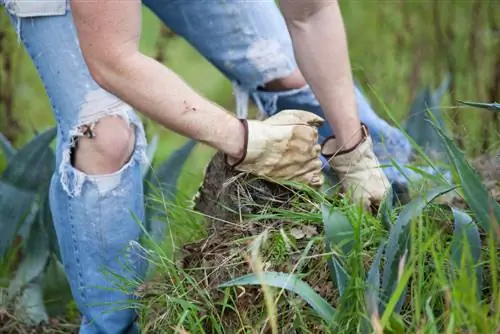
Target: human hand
<point x="283" y="146"/>
<point x="359" y="172"/>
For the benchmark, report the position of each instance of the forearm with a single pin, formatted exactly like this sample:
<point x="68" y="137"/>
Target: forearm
<point x="163" y="96"/>
<point x="320" y="47"/>
<point x="115" y="62"/>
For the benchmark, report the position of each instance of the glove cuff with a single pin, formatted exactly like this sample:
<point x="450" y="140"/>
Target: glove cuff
<point x="244" y="122"/>
<point x="365" y="133"/>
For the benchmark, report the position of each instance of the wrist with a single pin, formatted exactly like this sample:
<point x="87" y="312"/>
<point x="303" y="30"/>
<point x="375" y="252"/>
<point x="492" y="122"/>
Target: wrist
<point x="236" y="145"/>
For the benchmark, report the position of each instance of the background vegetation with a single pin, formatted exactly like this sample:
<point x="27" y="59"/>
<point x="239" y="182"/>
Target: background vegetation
<point x="396" y="48"/>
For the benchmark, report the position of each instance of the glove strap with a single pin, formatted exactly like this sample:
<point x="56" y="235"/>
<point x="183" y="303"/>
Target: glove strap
<point x="244" y="122"/>
<point x="364" y="134"/>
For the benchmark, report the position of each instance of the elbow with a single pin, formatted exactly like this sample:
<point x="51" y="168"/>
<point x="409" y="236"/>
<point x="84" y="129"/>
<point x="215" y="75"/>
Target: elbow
<point x="106" y="69"/>
<point x="298" y="13"/>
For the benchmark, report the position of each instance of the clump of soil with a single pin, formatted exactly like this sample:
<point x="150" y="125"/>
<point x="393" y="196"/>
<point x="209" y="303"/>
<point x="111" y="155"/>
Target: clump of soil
<point x="226" y="197"/>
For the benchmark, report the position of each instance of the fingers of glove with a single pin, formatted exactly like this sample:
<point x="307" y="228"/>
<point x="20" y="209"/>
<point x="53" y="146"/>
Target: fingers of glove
<point x="304" y="134"/>
<point x="295" y="116"/>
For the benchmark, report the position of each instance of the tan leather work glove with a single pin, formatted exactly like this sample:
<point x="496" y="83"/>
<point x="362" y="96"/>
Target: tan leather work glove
<point x="283" y="146"/>
<point x="358" y="170"/>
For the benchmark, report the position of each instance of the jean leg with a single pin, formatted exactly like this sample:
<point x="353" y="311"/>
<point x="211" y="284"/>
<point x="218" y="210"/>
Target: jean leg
<point x="249" y="42"/>
<point x="96" y="217"/>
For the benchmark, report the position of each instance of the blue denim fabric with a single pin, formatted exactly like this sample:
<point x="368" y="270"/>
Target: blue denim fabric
<point x="95" y="215"/>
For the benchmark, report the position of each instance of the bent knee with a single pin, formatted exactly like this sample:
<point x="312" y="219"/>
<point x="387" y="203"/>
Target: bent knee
<point x="106" y="146"/>
<point x="293" y="81"/>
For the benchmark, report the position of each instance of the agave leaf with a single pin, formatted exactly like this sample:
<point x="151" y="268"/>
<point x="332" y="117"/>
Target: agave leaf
<point x="385" y="209"/>
<point x="15" y="205"/>
<point x="495" y="106"/>
<point x="34" y="260"/>
<point x="484" y="206"/>
<point x="165" y="179"/>
<point x="466" y="231"/>
<point x="338" y="233"/>
<point x="168" y="173"/>
<point x="418" y="124"/>
<point x="291" y="283"/>
<point x="6" y="147"/>
<point x="438" y="95"/>
<point x="397" y="244"/>
<point x="30" y="307"/>
<point x="33" y="164"/>
<point x="373" y="286"/>
<point x="56" y="288"/>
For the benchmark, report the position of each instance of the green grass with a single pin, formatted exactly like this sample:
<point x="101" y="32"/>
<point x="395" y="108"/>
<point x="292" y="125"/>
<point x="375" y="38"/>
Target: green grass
<point x="395" y="48"/>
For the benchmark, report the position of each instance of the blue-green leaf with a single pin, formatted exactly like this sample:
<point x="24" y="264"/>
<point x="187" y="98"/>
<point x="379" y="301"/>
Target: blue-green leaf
<point x="484" y="206"/>
<point x="373" y="287"/>
<point x="495" y="106"/>
<point x="30" y="307"/>
<point x="466" y="231"/>
<point x="33" y="164"/>
<point x="385" y="210"/>
<point x="339" y="233"/>
<point x="168" y="173"/>
<point x="15" y="206"/>
<point x="291" y="283"/>
<point x="35" y="257"/>
<point x="8" y="150"/>
<point x="418" y="124"/>
<point x="397" y="244"/>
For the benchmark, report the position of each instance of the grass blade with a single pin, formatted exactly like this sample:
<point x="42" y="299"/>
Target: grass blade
<point x="33" y="164"/>
<point x="484" y="206"/>
<point x="164" y="180"/>
<point x="397" y="244"/>
<point x="495" y="106"/>
<point x="150" y="153"/>
<point x="291" y="283"/>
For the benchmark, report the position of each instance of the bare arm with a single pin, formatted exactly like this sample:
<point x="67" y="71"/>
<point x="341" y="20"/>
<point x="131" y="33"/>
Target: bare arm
<point x="320" y="46"/>
<point x="109" y="33"/>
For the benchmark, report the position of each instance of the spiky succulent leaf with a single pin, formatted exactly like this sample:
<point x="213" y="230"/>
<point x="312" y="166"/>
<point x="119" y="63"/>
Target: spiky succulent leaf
<point x="466" y="238"/>
<point x="373" y="286"/>
<point x="291" y="283"/>
<point x="483" y="205"/>
<point x="418" y="124"/>
<point x="495" y="106"/>
<point x="15" y="206"/>
<point x="385" y="210"/>
<point x="33" y="164"/>
<point x="397" y="244"/>
<point x="6" y="147"/>
<point x="34" y="260"/>
<point x="30" y="306"/>
<point x="339" y="234"/>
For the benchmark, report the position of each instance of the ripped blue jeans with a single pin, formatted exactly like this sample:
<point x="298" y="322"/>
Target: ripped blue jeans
<point x="96" y="216"/>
